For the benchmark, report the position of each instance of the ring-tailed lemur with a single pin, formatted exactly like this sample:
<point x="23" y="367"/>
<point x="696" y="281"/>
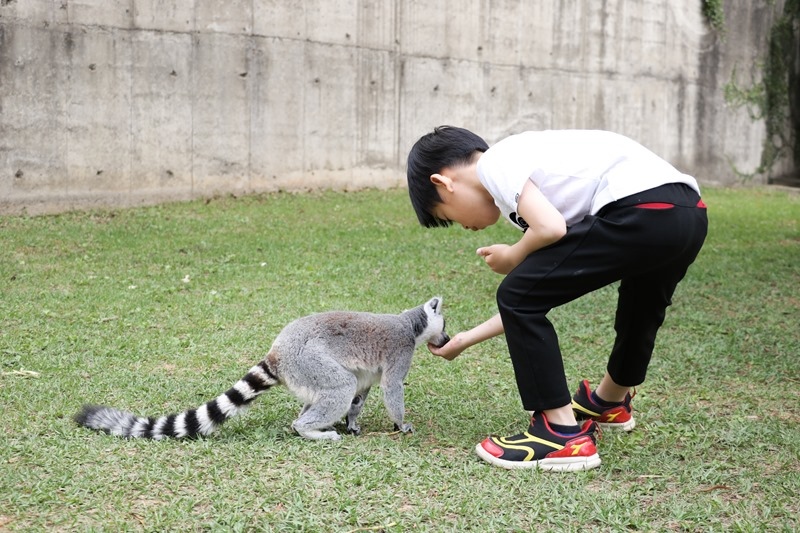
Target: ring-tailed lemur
<point x="329" y="361"/>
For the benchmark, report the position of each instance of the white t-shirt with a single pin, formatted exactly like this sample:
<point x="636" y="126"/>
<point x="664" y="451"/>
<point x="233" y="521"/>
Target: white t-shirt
<point x="578" y="171"/>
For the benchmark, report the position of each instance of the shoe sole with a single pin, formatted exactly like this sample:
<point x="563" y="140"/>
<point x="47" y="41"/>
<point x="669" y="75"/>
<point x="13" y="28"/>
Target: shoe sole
<point x="624" y="426"/>
<point x="552" y="465"/>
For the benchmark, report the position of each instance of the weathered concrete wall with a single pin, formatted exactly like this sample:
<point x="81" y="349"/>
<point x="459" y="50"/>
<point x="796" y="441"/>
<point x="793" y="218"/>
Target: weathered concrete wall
<point x="121" y="102"/>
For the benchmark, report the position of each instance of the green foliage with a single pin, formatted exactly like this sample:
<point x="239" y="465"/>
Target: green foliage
<point x="753" y="97"/>
<point x="161" y="308"/>
<point x="780" y="77"/>
<point x="714" y="13"/>
<point x="770" y="99"/>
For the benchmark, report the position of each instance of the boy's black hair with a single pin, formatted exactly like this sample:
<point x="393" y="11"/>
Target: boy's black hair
<point x="445" y="146"/>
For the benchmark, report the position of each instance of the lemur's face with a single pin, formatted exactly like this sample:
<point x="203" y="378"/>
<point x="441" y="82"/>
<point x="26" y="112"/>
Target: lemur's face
<point x="434" y="332"/>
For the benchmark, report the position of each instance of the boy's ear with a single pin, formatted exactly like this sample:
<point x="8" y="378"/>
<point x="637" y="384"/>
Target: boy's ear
<point x="444" y="181"/>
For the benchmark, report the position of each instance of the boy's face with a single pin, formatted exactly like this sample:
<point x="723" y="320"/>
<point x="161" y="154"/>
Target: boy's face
<point x="463" y="203"/>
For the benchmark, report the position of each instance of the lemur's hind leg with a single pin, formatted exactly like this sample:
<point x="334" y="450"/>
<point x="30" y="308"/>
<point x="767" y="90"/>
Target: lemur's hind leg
<point x="355" y="409"/>
<point x="318" y="418"/>
<point x="304" y="409"/>
<point x="330" y="403"/>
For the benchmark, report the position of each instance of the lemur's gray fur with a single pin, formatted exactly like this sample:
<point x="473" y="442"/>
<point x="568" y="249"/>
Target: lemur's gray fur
<point x="329" y="361"/>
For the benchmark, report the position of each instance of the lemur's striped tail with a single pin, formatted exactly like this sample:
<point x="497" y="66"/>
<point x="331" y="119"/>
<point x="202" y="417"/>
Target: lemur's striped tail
<point x="192" y="423"/>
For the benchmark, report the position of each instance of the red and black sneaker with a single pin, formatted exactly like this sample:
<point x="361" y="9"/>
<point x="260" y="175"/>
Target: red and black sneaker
<point x="541" y="447"/>
<point x="615" y="417"/>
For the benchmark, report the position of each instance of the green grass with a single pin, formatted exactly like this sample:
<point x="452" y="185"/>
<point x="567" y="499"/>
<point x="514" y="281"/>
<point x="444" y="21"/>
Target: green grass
<point x="159" y="309"/>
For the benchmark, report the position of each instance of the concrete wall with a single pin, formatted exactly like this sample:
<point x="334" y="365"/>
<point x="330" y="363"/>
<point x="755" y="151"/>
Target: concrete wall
<point x="122" y="102"/>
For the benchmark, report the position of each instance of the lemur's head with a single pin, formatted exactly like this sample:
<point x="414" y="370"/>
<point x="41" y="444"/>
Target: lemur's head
<point x="430" y="328"/>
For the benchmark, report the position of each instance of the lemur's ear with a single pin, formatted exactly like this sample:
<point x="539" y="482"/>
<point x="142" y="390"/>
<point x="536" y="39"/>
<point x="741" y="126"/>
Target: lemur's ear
<point x="435" y="304"/>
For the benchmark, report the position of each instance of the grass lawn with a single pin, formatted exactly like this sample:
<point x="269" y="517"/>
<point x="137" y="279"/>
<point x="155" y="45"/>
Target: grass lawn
<point x="159" y="309"/>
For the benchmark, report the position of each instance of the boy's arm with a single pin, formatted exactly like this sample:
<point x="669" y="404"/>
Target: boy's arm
<point x="545" y="226"/>
<point x="461" y="341"/>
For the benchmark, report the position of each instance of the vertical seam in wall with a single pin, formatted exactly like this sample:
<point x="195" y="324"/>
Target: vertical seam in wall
<point x="250" y="94"/>
<point x="67" y="105"/>
<point x="193" y="99"/>
<point x="132" y="67"/>
<point x="248" y="98"/>
<point x="303" y="86"/>
<point x="68" y="100"/>
<point x="398" y="74"/>
<point x="357" y="146"/>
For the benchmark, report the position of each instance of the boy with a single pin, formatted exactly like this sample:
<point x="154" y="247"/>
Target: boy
<point x="594" y="207"/>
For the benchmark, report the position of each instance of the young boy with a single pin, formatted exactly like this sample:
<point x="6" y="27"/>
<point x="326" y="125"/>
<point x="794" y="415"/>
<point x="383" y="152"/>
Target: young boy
<point x="595" y="207"/>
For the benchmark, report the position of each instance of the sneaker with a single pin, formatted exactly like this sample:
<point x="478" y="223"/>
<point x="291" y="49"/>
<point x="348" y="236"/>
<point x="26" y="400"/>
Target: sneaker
<point x="541" y="447"/>
<point x="617" y="417"/>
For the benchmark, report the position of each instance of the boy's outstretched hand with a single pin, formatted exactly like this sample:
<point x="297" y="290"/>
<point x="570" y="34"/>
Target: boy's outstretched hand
<point x="464" y="339"/>
<point x="452" y="349"/>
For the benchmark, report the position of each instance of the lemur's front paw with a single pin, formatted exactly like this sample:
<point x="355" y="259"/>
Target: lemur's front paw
<point x="405" y="428"/>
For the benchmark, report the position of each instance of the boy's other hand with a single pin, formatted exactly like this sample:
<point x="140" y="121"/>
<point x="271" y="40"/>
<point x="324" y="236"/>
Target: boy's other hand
<point x="500" y="257"/>
<point x="452" y="349"/>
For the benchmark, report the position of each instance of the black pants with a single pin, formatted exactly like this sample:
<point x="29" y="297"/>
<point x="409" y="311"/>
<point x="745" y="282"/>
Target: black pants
<point x="648" y="248"/>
